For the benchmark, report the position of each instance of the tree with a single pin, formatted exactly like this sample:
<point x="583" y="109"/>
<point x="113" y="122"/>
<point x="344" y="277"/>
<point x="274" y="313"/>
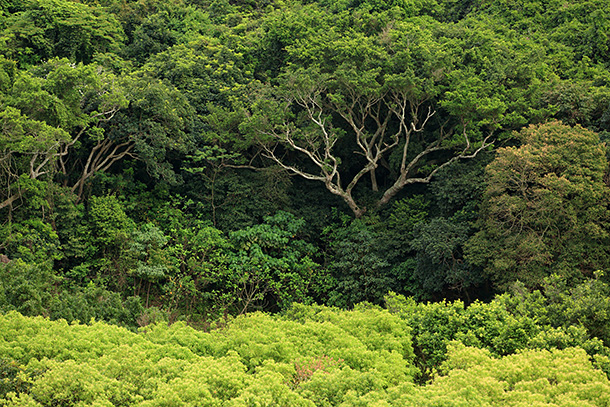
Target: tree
<point x="270" y="263"/>
<point x="396" y="105"/>
<point x="68" y="122"/>
<point x="47" y="113"/>
<point x="545" y="208"/>
<point x="360" y="271"/>
<point x="439" y="262"/>
<point x="34" y="141"/>
<point x="155" y="123"/>
<point x="535" y="378"/>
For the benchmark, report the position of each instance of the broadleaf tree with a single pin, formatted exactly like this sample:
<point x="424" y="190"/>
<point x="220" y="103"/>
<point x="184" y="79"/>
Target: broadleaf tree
<point x="545" y="208"/>
<point x="395" y="104"/>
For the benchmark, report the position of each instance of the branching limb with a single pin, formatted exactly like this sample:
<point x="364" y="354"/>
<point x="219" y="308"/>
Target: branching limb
<point x="404" y="180"/>
<point x="101" y="157"/>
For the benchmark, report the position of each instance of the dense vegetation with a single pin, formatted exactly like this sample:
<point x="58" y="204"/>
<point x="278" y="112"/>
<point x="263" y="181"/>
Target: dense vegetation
<point x="197" y="161"/>
<point x="309" y="357"/>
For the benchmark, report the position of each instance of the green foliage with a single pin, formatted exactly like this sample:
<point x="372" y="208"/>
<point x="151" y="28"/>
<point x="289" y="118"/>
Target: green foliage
<point x="564" y="306"/>
<point x="209" y="72"/>
<point x="459" y="187"/>
<point x="153" y="26"/>
<point x="197" y="279"/>
<point x="362" y="359"/>
<point x="270" y="261"/>
<point x="32" y="240"/>
<point x="234" y="200"/>
<point x="147" y="249"/>
<point x="49" y="111"/>
<point x="255" y="357"/>
<point x="21" y="139"/>
<point x="156" y="124"/>
<point x="533" y="378"/>
<point x="440" y="263"/>
<point x="577" y="25"/>
<point x="146" y="149"/>
<point x="44" y="29"/>
<point x="344" y="77"/>
<point x="200" y="271"/>
<point x="312" y="356"/>
<point x="361" y="272"/>
<point x="96" y="303"/>
<point x="23" y="136"/>
<point x="405" y="215"/>
<point x="556" y="318"/>
<point x="35" y="289"/>
<point x="69" y="223"/>
<point x="407" y="252"/>
<point x="66" y="95"/>
<point x="108" y="222"/>
<point x="544" y="209"/>
<point x="26" y="288"/>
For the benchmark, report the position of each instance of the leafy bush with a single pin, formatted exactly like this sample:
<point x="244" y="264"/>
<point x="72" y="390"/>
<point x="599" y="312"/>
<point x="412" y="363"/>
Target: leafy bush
<point x="507" y="325"/>
<point x="312" y="356"/>
<point x="256" y="359"/>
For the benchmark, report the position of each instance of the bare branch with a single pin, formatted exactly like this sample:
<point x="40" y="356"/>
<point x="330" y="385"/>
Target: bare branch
<point x="271" y="154"/>
<point x="404" y="180"/>
<point x="9" y="201"/>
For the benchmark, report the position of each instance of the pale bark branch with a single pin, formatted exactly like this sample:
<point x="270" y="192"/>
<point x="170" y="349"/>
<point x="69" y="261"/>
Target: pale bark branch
<point x="370" y="118"/>
<point x="404" y="180"/>
<point x="9" y="201"/>
<point x="100" y="159"/>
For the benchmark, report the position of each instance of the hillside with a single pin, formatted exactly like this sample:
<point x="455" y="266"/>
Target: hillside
<point x="434" y="172"/>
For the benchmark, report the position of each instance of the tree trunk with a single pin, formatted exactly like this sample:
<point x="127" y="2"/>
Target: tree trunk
<point x="391" y="192"/>
<point x="374" y="181"/>
<point x="358" y="211"/>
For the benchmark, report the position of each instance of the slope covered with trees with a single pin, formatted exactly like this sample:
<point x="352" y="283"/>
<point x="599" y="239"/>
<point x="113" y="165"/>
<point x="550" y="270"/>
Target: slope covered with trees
<point x="198" y="160"/>
<point x="232" y="156"/>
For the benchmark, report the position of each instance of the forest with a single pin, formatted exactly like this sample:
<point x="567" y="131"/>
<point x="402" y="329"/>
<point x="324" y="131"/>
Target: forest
<point x="304" y="203"/>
